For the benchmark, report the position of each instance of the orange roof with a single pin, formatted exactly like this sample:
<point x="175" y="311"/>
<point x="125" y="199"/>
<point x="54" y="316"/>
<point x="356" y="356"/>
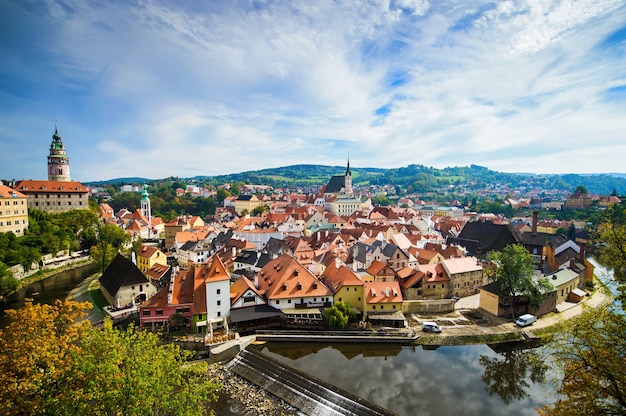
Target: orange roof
<point x="376" y="267"/>
<point x="382" y="292"/>
<point x="30" y="186"/>
<point x="336" y="278"/>
<point x="147" y="251"/>
<point x="284" y="277"/>
<point x="183" y="287"/>
<point x="6" y="192"/>
<point x="199" y="292"/>
<point x="241" y="286"/>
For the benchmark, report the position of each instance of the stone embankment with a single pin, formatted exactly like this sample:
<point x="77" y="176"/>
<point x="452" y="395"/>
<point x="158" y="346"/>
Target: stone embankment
<point x="248" y="398"/>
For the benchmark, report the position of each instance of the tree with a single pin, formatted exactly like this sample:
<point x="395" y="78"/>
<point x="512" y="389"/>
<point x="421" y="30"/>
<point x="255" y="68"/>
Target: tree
<point x="611" y="240"/>
<point x="513" y="267"/>
<point x="335" y="319"/>
<point x="110" y="239"/>
<point x="580" y="189"/>
<point x="8" y="283"/>
<point x="54" y="362"/>
<point x="589" y="352"/>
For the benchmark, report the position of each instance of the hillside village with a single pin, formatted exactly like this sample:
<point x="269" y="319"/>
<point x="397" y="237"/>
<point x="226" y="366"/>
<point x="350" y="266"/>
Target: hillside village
<point x="304" y="253"/>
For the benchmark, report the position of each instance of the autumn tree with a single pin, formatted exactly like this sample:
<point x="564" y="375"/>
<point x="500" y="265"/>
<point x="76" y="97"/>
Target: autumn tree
<point x="611" y="240"/>
<point x="513" y="267"/>
<point x="54" y="362"/>
<point x="589" y="352"/>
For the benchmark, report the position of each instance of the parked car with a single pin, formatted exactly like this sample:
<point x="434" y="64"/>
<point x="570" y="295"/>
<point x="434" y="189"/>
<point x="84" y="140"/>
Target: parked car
<point x="428" y="326"/>
<point x="525" y="320"/>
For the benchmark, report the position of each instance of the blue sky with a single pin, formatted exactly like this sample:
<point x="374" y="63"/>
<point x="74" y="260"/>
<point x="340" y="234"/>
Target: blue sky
<point x="169" y="88"/>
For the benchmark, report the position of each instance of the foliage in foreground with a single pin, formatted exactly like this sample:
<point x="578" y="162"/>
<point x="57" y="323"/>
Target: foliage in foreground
<point x="612" y="236"/>
<point x="590" y="352"/>
<point x="53" y="362"/>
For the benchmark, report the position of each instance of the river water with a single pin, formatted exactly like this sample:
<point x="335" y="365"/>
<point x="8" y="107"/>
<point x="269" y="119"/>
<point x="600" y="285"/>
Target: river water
<point x="57" y="286"/>
<point x="459" y="380"/>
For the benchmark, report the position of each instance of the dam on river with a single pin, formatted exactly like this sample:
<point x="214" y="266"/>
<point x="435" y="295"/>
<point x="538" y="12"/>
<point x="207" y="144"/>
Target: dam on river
<point x="310" y="395"/>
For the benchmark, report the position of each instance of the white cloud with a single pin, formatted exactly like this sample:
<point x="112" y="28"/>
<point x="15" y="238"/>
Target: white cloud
<point x="254" y="85"/>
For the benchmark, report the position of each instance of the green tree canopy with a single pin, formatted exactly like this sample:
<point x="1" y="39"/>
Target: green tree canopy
<point x="52" y="362"/>
<point x="611" y="240"/>
<point x="513" y="267"/>
<point x="588" y="352"/>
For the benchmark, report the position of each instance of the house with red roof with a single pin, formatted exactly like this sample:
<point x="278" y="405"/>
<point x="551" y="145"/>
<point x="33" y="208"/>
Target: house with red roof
<point x="292" y="288"/>
<point x="171" y="307"/>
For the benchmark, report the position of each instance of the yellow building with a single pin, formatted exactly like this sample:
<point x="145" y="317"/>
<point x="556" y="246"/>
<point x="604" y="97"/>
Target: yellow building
<point x="13" y="211"/>
<point x="148" y="257"/>
<point x="247" y="203"/>
<point x="345" y="285"/>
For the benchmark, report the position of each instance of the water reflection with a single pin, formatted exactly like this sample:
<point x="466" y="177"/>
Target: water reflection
<point x="509" y="374"/>
<point x="410" y="381"/>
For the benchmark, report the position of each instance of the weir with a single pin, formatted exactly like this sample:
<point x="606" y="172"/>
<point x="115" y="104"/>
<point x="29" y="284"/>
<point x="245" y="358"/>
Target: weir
<point x="308" y="394"/>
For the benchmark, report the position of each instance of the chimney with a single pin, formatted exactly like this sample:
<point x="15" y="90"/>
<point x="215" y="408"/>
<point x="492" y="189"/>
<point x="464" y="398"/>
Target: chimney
<point x="581" y="252"/>
<point x="534" y="223"/>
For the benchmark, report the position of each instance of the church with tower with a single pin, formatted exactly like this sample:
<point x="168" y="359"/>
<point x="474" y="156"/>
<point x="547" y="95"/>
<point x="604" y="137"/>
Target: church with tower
<point x="59" y="193"/>
<point x="338" y="195"/>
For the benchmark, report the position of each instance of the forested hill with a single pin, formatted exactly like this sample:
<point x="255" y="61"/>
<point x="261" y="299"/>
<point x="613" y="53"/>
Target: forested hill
<point x="412" y="178"/>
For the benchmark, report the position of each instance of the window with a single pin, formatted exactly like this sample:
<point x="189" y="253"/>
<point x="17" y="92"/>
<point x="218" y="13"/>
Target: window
<point x="373" y="306"/>
<point x="339" y="299"/>
<point x="288" y="300"/>
<point x="219" y="291"/>
<point x="159" y="312"/>
<point x="278" y="302"/>
<point x="179" y="310"/>
<point x="146" y="312"/>
<point x="219" y="303"/>
<point x="219" y="314"/>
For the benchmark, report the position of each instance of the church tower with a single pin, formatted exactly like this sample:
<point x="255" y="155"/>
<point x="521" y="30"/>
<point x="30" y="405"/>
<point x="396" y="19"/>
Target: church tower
<point x="347" y="182"/>
<point x="145" y="205"/>
<point x="58" y="162"/>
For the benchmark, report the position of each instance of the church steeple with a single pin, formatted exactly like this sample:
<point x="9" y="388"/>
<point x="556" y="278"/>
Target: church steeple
<point x="347" y="182"/>
<point x="58" y="162"/>
<point x="146" y="211"/>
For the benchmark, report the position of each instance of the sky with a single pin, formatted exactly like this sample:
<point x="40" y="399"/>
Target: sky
<point x="184" y="88"/>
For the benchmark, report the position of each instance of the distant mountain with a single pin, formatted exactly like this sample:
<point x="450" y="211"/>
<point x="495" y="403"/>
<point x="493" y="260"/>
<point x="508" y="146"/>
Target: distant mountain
<point x="121" y="181"/>
<point x="411" y="178"/>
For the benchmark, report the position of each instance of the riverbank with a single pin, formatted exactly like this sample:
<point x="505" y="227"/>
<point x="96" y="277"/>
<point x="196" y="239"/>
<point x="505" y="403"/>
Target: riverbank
<point x="45" y="273"/>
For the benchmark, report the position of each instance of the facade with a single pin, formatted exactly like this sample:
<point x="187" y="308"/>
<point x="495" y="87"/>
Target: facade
<point x="58" y="162"/>
<point x="54" y="196"/>
<point x="345" y="285"/>
<point x="247" y="203"/>
<point x="122" y="283"/>
<point x="175" y="299"/>
<point x="292" y="288"/>
<point x="148" y="257"/>
<point x="465" y="274"/>
<point x="382" y="297"/>
<point x="13" y="211"/>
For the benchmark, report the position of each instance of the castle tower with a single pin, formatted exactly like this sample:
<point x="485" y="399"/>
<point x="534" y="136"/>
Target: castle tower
<point x="58" y="162"/>
<point x="347" y="184"/>
<point x="145" y="205"/>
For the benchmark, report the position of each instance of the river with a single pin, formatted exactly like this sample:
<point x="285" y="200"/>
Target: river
<point x="47" y="290"/>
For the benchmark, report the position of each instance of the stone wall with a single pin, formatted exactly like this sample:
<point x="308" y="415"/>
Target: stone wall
<point x="428" y="306"/>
